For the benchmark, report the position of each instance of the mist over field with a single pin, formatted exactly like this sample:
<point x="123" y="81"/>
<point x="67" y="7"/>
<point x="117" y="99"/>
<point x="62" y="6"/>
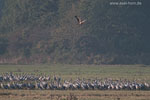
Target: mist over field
<point x="46" y="31"/>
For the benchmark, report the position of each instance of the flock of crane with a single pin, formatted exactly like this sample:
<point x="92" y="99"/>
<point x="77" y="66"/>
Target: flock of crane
<point x="33" y="82"/>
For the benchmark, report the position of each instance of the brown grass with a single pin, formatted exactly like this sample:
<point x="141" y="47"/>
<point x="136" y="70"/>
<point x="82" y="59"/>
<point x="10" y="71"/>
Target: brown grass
<point x="73" y="95"/>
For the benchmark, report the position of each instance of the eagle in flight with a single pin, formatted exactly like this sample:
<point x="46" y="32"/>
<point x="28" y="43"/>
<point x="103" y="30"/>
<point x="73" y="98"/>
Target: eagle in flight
<point x="79" y="20"/>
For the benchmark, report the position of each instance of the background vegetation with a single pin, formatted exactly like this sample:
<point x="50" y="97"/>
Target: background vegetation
<point x="45" y="31"/>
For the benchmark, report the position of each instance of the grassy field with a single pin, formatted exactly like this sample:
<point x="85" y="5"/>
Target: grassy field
<point x="73" y="95"/>
<point x="141" y="72"/>
<point x="130" y="72"/>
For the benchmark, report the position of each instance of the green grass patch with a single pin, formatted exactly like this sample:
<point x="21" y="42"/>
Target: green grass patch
<point x="83" y="71"/>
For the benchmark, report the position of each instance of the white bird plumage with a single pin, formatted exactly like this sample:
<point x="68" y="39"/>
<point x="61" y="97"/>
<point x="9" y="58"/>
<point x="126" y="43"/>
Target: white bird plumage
<point x="79" y="20"/>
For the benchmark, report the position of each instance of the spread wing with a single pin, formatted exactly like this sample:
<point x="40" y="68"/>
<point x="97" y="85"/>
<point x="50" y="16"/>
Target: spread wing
<point x="78" y="19"/>
<point x="83" y="21"/>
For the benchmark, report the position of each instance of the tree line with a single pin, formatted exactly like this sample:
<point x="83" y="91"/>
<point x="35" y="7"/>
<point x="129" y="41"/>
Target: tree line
<point x="45" y="31"/>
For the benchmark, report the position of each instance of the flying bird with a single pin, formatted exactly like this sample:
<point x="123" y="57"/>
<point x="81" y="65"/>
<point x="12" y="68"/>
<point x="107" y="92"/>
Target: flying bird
<point x="79" y="20"/>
